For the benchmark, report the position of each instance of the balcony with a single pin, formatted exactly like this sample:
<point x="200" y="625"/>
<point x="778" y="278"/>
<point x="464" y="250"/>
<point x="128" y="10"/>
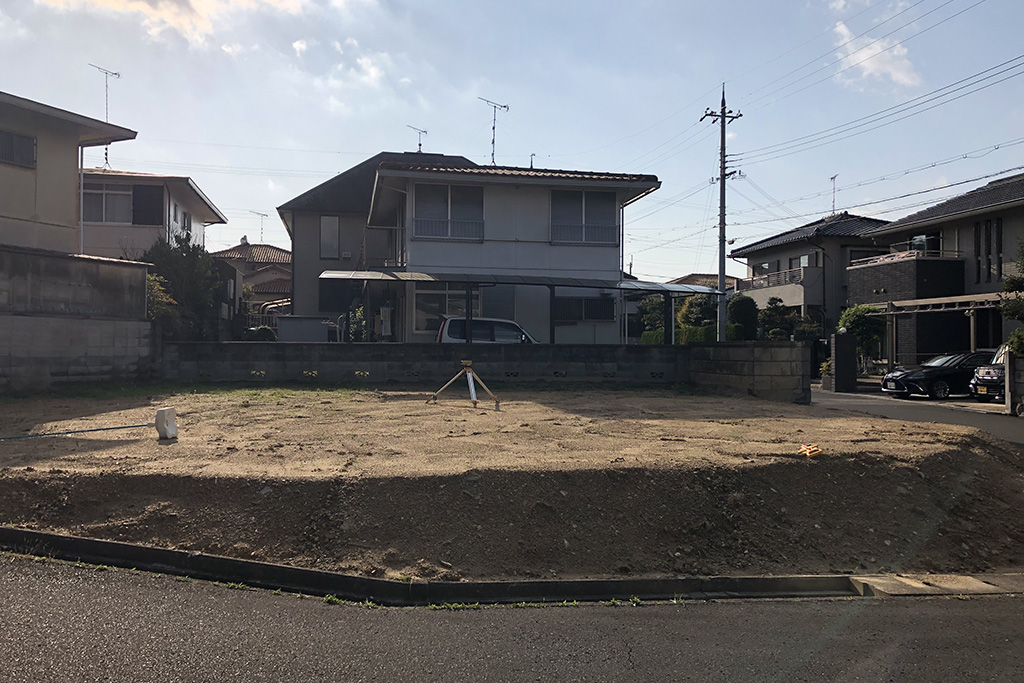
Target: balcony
<point x="385" y="263"/>
<point x="453" y="230"/>
<point x="783" y="277"/>
<point x="904" y="275"/>
<point x="905" y="255"/>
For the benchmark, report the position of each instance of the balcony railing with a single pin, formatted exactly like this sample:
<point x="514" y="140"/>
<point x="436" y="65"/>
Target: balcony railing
<point x="599" y="235"/>
<point x="905" y="255"/>
<point x="385" y="263"/>
<point x="441" y="229"/>
<point x="783" y="277"/>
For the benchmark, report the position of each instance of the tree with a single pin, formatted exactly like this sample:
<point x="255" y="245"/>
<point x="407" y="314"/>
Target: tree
<point x="188" y="277"/>
<point x="651" y="310"/>
<point x="868" y="329"/>
<point x="699" y="310"/>
<point x="776" y="320"/>
<point x="1011" y="301"/>
<point x="742" y="310"/>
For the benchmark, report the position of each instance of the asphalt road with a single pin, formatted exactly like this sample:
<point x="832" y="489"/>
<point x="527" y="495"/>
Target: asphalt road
<point x="920" y="409"/>
<point x="62" y="622"/>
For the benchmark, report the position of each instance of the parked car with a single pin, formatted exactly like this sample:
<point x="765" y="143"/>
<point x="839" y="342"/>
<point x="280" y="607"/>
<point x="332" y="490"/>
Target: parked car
<point x="485" y="331"/>
<point x="989" y="381"/>
<point x="937" y="377"/>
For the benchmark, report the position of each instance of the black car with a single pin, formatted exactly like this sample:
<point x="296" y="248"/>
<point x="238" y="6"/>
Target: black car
<point x="937" y="377"/>
<point x="989" y="381"/>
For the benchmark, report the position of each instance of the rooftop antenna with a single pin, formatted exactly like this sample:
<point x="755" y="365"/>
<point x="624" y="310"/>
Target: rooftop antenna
<point x="419" y="137"/>
<point x="262" y="216"/>
<point x="494" y="121"/>
<point x="531" y="159"/>
<point x="833" y="179"/>
<point x="107" y="74"/>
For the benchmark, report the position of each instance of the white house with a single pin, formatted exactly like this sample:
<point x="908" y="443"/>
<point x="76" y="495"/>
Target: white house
<point x="124" y="213"/>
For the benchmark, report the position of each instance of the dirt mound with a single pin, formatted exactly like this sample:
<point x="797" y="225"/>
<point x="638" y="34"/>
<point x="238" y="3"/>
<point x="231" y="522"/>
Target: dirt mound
<point x="567" y="484"/>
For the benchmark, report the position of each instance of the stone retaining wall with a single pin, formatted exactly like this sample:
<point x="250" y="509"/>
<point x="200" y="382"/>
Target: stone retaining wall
<point x="776" y="371"/>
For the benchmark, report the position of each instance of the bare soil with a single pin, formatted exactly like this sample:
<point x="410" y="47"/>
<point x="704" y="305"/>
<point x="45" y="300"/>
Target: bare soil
<point x="558" y="483"/>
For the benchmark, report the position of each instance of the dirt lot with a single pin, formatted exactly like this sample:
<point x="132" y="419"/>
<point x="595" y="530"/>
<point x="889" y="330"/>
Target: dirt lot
<point x="558" y="483"/>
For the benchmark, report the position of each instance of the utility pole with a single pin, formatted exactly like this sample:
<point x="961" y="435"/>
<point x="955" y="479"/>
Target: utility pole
<point x="723" y="116"/>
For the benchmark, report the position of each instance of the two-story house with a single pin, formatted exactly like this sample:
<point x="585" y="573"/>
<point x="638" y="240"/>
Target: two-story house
<point x="124" y="213"/>
<point x="944" y="266"/>
<point x="265" y="269"/>
<point x="413" y="237"/>
<point x="40" y="172"/>
<point x="806" y="266"/>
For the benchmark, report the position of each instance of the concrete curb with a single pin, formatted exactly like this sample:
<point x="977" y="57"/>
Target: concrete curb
<point x="411" y="593"/>
<point x="402" y="593"/>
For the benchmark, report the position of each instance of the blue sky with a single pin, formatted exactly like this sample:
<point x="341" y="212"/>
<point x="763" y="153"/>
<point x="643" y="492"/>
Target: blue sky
<point x="260" y="100"/>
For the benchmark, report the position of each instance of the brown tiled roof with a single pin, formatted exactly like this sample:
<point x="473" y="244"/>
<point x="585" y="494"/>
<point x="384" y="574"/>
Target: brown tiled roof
<point x="278" y="286"/>
<point x="256" y="253"/>
<point x="838" y="225"/>
<point x="704" y="280"/>
<point x="998" y="193"/>
<point x="514" y="171"/>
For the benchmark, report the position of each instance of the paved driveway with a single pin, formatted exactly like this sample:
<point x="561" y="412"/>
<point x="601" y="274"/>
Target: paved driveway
<point x="957" y="411"/>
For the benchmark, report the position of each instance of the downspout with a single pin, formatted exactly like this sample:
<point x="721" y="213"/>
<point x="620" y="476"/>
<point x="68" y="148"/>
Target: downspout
<point x="81" y="199"/>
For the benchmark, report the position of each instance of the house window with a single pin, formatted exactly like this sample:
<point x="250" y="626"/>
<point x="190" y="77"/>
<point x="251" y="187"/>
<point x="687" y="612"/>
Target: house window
<point x="800" y="261"/>
<point x="583" y="217"/>
<point x="330" y="237"/>
<point x="764" y="268"/>
<point x="448" y="212"/>
<point x="437" y="299"/>
<point x="999" y="249"/>
<point x="17" y="150"/>
<point x="977" y="252"/>
<point x="107" y="203"/>
<point x="583" y="309"/>
<point x="988" y="251"/>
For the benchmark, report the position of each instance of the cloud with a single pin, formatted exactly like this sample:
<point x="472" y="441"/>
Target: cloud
<point x="193" y="19"/>
<point x="337" y="46"/>
<point x="234" y="49"/>
<point x="865" y="58"/>
<point x="12" y="28"/>
<point x="300" y="46"/>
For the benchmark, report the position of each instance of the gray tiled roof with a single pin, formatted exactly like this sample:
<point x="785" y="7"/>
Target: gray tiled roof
<point x="998" y="193"/>
<point x="350" y="191"/>
<point x="516" y="172"/>
<point x="838" y="225"/>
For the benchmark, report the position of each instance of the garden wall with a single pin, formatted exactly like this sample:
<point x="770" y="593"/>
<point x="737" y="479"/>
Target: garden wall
<point x="70" y="318"/>
<point x="776" y="371"/>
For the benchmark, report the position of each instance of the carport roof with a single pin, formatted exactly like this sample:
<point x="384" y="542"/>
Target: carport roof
<point x="635" y="286"/>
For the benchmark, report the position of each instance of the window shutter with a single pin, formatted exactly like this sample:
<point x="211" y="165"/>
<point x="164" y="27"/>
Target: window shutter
<point x="467" y="203"/>
<point x="600" y="209"/>
<point x="431" y="202"/>
<point x="567" y="207"/>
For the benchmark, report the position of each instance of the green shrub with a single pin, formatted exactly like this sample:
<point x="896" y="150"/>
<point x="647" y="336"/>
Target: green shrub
<point x="261" y="333"/>
<point x="1016" y="341"/>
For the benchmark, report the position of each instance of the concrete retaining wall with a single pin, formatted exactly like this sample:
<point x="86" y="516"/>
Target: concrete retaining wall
<point x="775" y="371"/>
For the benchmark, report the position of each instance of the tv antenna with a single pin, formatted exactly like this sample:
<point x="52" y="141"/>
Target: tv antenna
<point x="419" y="137"/>
<point x="107" y="75"/>
<point x="833" y="179"/>
<point x="262" y="216"/>
<point x="494" y="121"/>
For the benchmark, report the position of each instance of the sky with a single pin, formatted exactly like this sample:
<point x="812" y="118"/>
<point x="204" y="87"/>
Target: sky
<point x="905" y="102"/>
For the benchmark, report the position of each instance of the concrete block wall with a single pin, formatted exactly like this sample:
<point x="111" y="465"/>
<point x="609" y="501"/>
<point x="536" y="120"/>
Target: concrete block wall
<point x="776" y="371"/>
<point x="38" y="351"/>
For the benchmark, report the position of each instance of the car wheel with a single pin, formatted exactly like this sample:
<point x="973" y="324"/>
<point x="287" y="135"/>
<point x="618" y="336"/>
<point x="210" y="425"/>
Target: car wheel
<point x="939" y="390"/>
<point x="984" y="399"/>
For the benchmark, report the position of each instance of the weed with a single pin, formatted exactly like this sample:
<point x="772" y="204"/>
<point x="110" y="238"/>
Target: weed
<point x="101" y="567"/>
<point x="278" y="591"/>
<point x="332" y="600"/>
<point x="635" y="601"/>
<point x="182" y="579"/>
<point x="611" y="603"/>
<point x="455" y="606"/>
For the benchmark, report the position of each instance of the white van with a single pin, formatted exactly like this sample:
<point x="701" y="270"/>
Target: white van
<point x="485" y="331"/>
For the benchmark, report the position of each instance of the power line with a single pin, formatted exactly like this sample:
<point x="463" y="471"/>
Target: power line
<point x="845" y="130"/>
